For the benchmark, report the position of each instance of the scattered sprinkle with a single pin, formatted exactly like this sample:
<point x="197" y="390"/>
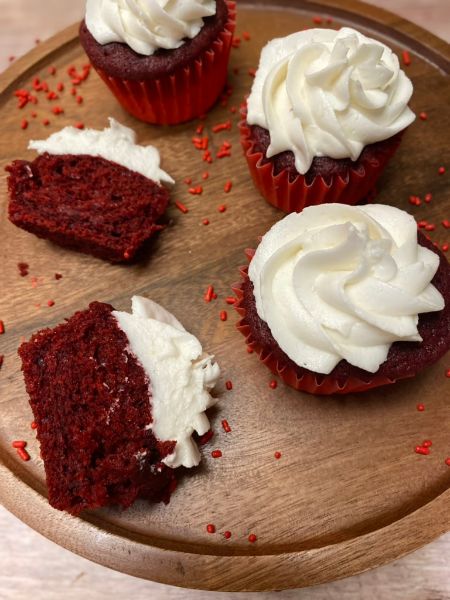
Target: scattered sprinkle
<point x="406" y="58"/>
<point x="205" y="221"/>
<point x="23" y="269"/>
<point x="2" y="327"/>
<point x="79" y="125"/>
<point x="273" y="384"/>
<point x="50" y="303"/>
<point x="33" y="425"/>
<point x="421" y="450"/>
<point x="226" y="426"/>
<point x="317" y="20"/>
<point x="252" y="72"/>
<point x="188" y="181"/>
<point x="210" y="528"/>
<point x="249" y="350"/>
<point x="427" y="444"/>
<point x="181" y="207"/>
<point x="227" y="534"/>
<point x="196" y="190"/>
<point x="57" y="110"/>
<point x="23" y="454"/>
<point x="205" y="175"/>
<point x="428" y="198"/>
<point x="446" y="223"/>
<point x="216" y="453"/>
<point x="447" y="372"/>
<point x="223" y="315"/>
<point x="230" y="300"/>
<point x="447" y="461"/>
<point x="209" y="293"/>
<point x="420" y="407"/>
<point x="246" y="36"/>
<point x="58" y="276"/>
<point x="423" y="116"/>
<point x="222" y="208"/>
<point x="229" y="385"/>
<point x="19" y="444"/>
<point x="252" y="538"/>
<point x="415" y="200"/>
<point x="441" y="170"/>
<point x="221" y="126"/>
<point x="227" y="187"/>
<point x="24" y="124"/>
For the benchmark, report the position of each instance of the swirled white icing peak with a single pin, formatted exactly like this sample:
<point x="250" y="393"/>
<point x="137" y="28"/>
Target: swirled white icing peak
<point x="116" y="143"/>
<point x="147" y="25"/>
<point x="322" y="92"/>
<point x="343" y="282"/>
<point x="180" y="376"/>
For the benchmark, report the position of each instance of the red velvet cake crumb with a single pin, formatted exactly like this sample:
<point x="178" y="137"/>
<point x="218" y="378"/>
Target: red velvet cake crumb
<point x="91" y="403"/>
<point x="85" y="203"/>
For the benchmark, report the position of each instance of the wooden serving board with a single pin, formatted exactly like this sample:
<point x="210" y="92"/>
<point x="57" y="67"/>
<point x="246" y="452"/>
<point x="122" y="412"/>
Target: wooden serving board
<point x="349" y="492"/>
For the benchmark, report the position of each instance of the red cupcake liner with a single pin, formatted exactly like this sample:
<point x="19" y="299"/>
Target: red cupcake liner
<point x="312" y="383"/>
<point x="186" y="93"/>
<point x="294" y="196"/>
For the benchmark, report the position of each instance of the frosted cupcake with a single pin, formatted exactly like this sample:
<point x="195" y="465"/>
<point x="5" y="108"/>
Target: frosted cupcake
<point x="326" y="113"/>
<point x="340" y="299"/>
<point x="166" y="62"/>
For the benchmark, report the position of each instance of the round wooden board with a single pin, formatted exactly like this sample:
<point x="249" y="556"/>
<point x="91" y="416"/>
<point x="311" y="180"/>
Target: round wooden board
<point x="348" y="493"/>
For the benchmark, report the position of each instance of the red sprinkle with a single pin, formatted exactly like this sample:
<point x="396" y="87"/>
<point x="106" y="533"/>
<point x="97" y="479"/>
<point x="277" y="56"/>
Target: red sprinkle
<point x="23" y="269"/>
<point x="415" y="200"/>
<point x="52" y="70"/>
<point x="19" y="444"/>
<point x="420" y="407"/>
<point x="441" y="170"/>
<point x="205" y="175"/>
<point x="273" y="384"/>
<point x="406" y="58"/>
<point x="229" y="385"/>
<point x="428" y="198"/>
<point x="204" y="439"/>
<point x="421" y="450"/>
<point x="200" y="129"/>
<point x="249" y="350"/>
<point x="246" y="36"/>
<point x="227" y="534"/>
<point x="223" y="315"/>
<point x="216" y="453"/>
<point x="196" y="190"/>
<point x="181" y="207"/>
<point x="430" y="227"/>
<point x="222" y="208"/>
<point x="57" y="110"/>
<point x="427" y="443"/>
<point x="210" y="528"/>
<point x="423" y="116"/>
<point x="447" y="372"/>
<point x="221" y="126"/>
<point x="24" y="124"/>
<point x="23" y="454"/>
<point x="317" y="20"/>
<point x="227" y="187"/>
<point x="445" y="247"/>
<point x="205" y="221"/>
<point x="277" y="455"/>
<point x="447" y="461"/>
<point x="45" y="122"/>
<point x="209" y="293"/>
<point x="446" y="223"/>
<point x="34" y="425"/>
<point x="252" y="538"/>
<point x="79" y="99"/>
<point x="60" y="86"/>
<point x="50" y="303"/>
<point x="252" y="72"/>
<point x="79" y="125"/>
<point x="2" y="327"/>
<point x="226" y="426"/>
<point x="230" y="300"/>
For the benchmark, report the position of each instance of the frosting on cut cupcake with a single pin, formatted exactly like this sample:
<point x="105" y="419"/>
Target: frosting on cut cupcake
<point x="180" y="376"/>
<point x="322" y="92"/>
<point x="340" y="282"/>
<point x="116" y="143"/>
<point x="147" y="25"/>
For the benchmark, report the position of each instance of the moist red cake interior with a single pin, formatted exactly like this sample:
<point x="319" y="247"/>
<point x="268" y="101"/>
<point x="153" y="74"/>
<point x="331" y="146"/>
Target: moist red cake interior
<point x="90" y="400"/>
<point x="404" y="359"/>
<point x="119" y="60"/>
<point x="85" y="203"/>
<point x="322" y="166"/>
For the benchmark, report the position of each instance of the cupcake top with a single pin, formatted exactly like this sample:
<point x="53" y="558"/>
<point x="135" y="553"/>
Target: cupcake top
<point x="147" y="25"/>
<point x="115" y="143"/>
<point x="322" y="92"/>
<point x="339" y="282"/>
<point x="180" y="376"/>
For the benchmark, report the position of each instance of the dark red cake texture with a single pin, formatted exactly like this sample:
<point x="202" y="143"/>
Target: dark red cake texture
<point x="90" y="400"/>
<point x="119" y="60"/>
<point x="85" y="203"/>
<point x="405" y="359"/>
<point x="322" y="166"/>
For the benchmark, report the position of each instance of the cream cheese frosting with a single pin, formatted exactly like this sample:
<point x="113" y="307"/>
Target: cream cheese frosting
<point x="146" y="25"/>
<point x="322" y="92"/>
<point x="343" y="282"/>
<point x="180" y="376"/>
<point x="116" y="143"/>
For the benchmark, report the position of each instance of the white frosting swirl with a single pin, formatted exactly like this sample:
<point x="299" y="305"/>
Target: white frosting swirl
<point x="146" y="25"/>
<point x="343" y="282"/>
<point x="180" y="376"/>
<point x="116" y="143"/>
<point x="322" y="92"/>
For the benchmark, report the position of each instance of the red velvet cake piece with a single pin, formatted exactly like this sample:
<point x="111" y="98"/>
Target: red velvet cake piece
<point x="90" y="400"/>
<point x="86" y="203"/>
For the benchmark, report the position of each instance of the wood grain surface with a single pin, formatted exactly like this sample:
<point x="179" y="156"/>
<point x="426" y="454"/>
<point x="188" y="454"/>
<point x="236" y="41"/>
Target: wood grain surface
<point x="336" y="526"/>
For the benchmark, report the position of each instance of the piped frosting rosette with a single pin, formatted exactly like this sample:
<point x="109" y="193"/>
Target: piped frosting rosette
<point x="325" y="93"/>
<point x="337" y="286"/>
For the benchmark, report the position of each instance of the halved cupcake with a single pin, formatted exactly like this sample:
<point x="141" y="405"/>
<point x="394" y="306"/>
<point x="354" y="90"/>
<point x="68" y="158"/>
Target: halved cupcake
<point x="341" y="299"/>
<point x="326" y="113"/>
<point x="166" y="62"/>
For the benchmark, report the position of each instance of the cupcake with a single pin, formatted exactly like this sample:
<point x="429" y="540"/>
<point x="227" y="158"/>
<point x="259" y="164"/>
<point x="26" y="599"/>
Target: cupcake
<point x="326" y="113"/>
<point x="93" y="191"/>
<point x="166" y="62"/>
<point x="341" y="299"/>
<point x="116" y="398"/>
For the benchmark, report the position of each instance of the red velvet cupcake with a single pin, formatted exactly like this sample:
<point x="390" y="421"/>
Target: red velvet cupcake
<point x="341" y="299"/>
<point x="116" y="398"/>
<point x="326" y="113"/>
<point x="165" y="64"/>
<point x="97" y="192"/>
